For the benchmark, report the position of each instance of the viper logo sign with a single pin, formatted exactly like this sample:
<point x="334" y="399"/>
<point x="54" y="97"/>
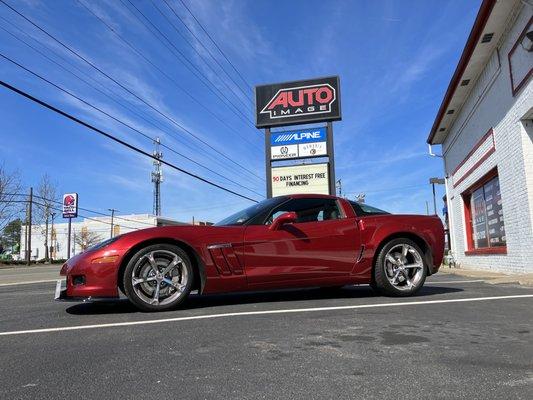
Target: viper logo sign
<point x="298" y="102"/>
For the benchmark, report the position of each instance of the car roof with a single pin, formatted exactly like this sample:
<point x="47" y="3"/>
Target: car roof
<point x="311" y="196"/>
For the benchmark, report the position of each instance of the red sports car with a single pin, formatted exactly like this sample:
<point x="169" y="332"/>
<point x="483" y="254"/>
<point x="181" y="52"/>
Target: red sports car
<point x="281" y="242"/>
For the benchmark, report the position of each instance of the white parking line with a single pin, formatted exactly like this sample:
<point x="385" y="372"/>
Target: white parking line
<point x="448" y="282"/>
<point x="28" y="282"/>
<point x="266" y="312"/>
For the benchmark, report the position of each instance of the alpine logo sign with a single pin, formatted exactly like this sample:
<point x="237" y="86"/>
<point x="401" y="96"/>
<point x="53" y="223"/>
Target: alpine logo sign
<point x="297" y="137"/>
<point x="298" y="102"/>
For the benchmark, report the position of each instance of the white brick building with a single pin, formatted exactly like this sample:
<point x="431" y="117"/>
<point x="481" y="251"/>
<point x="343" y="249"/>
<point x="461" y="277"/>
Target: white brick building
<point x="97" y="227"/>
<point x="485" y="127"/>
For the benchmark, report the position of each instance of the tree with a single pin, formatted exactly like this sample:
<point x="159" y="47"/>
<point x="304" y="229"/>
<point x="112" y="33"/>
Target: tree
<point x="11" y="203"/>
<point x="86" y="239"/>
<point x="10" y="238"/>
<point x="46" y="202"/>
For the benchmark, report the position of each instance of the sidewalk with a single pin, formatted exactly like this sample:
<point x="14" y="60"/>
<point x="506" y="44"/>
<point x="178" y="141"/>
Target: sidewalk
<point x="490" y="276"/>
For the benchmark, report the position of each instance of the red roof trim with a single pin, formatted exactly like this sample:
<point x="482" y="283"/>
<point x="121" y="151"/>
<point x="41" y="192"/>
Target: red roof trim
<point x="473" y="39"/>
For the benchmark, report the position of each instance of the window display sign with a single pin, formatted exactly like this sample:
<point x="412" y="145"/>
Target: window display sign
<point x="487" y="216"/>
<point x="307" y="178"/>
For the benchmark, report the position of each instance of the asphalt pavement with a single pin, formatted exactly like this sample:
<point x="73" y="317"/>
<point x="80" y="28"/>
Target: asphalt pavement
<point x="458" y="338"/>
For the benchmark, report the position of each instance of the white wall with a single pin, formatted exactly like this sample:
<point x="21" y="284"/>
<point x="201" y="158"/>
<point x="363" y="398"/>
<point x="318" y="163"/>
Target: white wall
<point x="491" y="104"/>
<point x="98" y="225"/>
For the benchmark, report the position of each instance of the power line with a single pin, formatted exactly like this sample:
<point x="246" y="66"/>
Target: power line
<point x="209" y="85"/>
<point x="81" y="72"/>
<point x="138" y="52"/>
<point x="122" y="122"/>
<point x="112" y="99"/>
<point x="205" y="48"/>
<point x="117" y="140"/>
<point x="217" y="46"/>
<point x="129" y="91"/>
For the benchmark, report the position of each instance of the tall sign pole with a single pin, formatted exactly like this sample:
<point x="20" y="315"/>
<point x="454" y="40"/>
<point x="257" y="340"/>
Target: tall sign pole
<point x="294" y="103"/>
<point x="70" y="210"/>
<point x="69" y="235"/>
<point x="331" y="154"/>
<point x="268" y="163"/>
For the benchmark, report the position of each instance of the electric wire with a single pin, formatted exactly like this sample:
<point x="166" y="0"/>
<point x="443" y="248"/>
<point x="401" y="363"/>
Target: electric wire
<point x="195" y="71"/>
<point x="106" y="95"/>
<point x="120" y="141"/>
<point x="217" y="46"/>
<point x="170" y="78"/>
<point x="122" y="122"/>
<point x="246" y="95"/>
<point x="130" y="91"/>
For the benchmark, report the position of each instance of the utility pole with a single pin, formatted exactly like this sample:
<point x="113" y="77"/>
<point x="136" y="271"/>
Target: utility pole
<point x="112" y="217"/>
<point x="157" y="177"/>
<point x="28" y="228"/>
<point x="52" y="214"/>
<point x="427" y="208"/>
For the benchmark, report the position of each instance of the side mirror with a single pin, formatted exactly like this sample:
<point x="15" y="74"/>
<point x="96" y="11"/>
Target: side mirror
<point x="285" y="218"/>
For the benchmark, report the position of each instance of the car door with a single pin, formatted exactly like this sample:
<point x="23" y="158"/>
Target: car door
<point x="322" y="243"/>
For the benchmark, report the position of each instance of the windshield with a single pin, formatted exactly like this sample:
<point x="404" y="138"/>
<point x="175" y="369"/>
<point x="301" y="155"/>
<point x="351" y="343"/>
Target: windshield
<point x="243" y="216"/>
<point x="364" y="209"/>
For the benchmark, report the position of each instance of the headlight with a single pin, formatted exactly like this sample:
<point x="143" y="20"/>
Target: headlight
<point x="103" y="244"/>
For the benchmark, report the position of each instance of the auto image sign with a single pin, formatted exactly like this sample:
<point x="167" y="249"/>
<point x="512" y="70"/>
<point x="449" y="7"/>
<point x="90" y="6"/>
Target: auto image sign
<point x="298" y="102"/>
<point x="306" y="178"/>
<point x="298" y="143"/>
<point x="70" y="205"/>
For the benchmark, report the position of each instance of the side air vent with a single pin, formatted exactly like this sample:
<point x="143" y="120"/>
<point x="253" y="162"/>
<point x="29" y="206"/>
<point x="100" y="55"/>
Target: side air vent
<point x="465" y="82"/>
<point x="450" y="112"/>
<point x="442" y="129"/>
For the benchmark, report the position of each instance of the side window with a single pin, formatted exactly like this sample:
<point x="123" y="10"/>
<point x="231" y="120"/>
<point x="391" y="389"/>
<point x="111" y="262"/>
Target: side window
<point x="308" y="210"/>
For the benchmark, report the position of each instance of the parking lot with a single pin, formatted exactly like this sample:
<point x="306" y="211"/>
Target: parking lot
<point x="459" y="338"/>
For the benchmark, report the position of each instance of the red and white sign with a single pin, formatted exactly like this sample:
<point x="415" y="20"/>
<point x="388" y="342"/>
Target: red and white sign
<point x="70" y="205"/>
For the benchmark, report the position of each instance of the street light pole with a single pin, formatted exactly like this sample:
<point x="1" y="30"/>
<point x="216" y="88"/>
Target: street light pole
<point x="433" y="181"/>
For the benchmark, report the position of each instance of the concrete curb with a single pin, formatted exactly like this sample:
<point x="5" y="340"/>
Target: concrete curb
<point x="493" y="278"/>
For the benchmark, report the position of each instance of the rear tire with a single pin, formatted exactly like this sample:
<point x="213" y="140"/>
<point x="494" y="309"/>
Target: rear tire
<point x="158" y="277"/>
<point x="400" y="268"/>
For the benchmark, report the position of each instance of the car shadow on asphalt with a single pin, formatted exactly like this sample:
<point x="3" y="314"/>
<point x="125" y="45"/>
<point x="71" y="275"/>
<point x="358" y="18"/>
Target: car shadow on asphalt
<point x="123" y="306"/>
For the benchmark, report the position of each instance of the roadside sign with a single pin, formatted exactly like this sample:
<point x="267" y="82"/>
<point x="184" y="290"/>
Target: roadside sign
<point x="298" y="143"/>
<point x="298" y="102"/>
<point x="306" y="178"/>
<point x="70" y="205"/>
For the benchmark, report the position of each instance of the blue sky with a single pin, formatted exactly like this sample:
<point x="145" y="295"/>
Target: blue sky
<point x="394" y="58"/>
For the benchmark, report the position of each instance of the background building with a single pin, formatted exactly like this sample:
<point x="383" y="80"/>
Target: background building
<point x="86" y="233"/>
<point x="485" y="127"/>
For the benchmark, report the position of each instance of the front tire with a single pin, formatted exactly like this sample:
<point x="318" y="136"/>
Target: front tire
<point x="400" y="268"/>
<point x="158" y="277"/>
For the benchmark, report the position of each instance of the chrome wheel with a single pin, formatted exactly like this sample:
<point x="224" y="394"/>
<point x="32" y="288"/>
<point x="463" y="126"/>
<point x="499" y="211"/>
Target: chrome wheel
<point x="404" y="266"/>
<point x="159" y="277"/>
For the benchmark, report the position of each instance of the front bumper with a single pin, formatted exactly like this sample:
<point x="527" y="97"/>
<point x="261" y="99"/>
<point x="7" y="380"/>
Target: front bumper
<point x="61" y="294"/>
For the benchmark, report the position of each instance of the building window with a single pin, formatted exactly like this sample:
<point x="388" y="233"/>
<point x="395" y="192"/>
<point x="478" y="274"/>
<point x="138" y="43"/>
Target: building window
<point x="485" y="226"/>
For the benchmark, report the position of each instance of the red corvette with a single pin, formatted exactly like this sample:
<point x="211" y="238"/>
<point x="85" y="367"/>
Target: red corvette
<point x="289" y="241"/>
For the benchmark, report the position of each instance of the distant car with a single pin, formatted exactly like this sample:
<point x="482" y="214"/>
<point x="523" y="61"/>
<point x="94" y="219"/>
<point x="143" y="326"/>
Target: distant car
<point x="281" y="242"/>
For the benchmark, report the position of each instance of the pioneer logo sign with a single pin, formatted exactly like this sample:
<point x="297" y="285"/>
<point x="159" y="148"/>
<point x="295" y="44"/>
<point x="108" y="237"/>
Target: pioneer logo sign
<point x="298" y="102"/>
